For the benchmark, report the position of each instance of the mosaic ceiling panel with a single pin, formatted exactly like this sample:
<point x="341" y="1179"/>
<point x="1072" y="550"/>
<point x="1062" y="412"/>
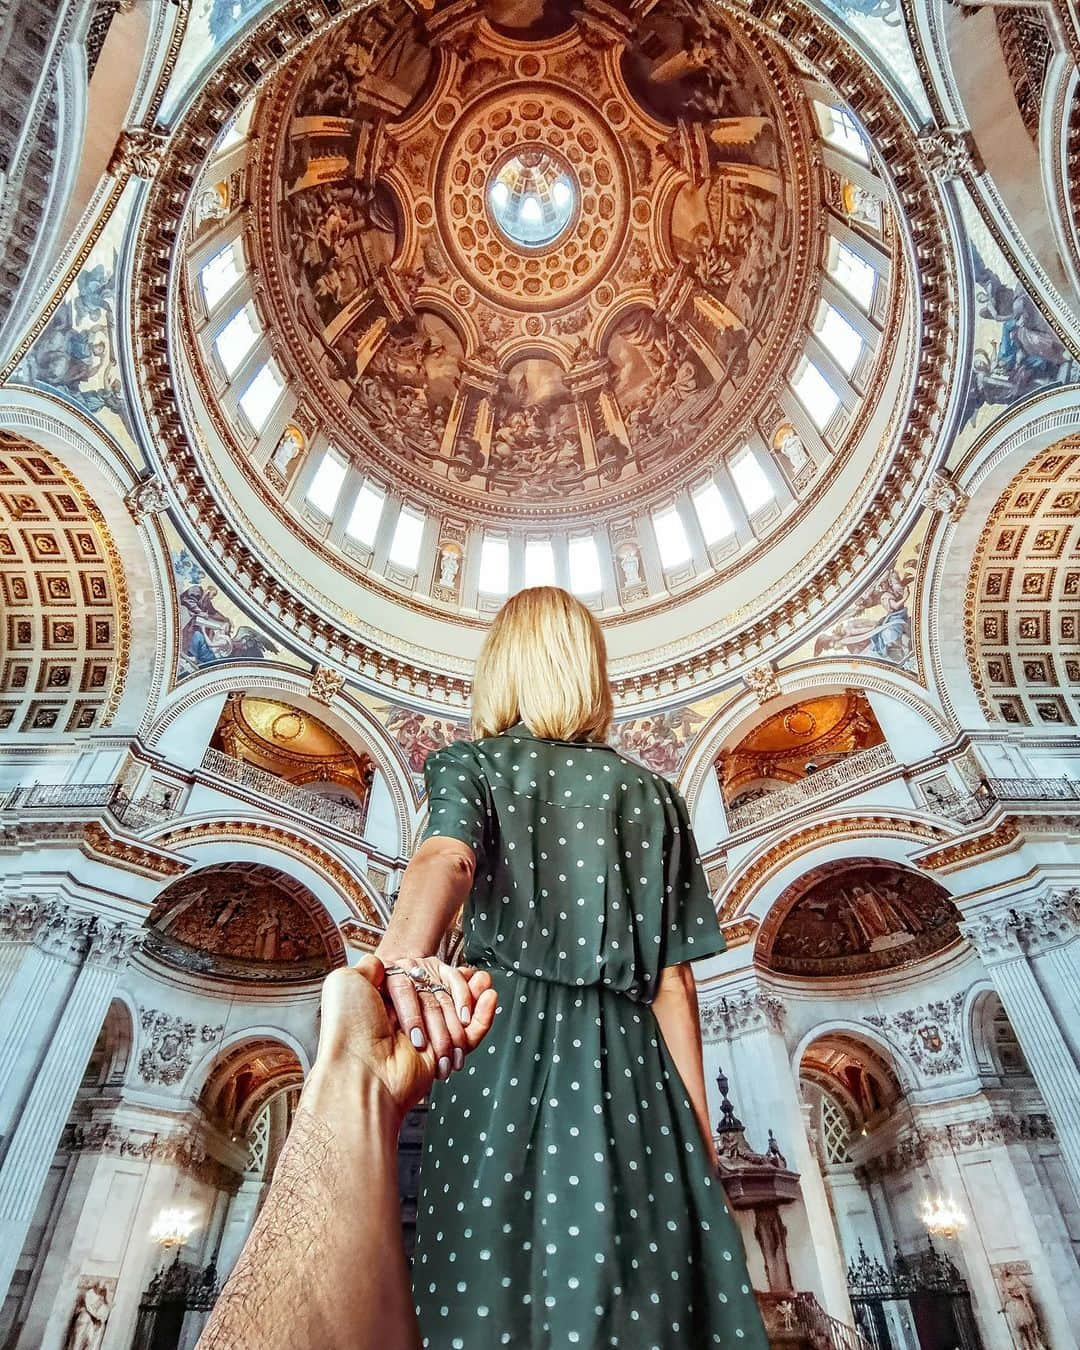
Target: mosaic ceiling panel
<point x="855" y="917"/>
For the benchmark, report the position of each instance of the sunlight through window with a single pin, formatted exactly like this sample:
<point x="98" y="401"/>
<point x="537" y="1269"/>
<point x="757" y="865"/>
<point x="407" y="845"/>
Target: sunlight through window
<point x="236" y="340"/>
<point x="816" y="395"/>
<point x="713" y="514"/>
<point x="408" y="536"/>
<point x="671" y="540"/>
<point x="751" y="481"/>
<point x="366" y="514"/>
<point x="326" y="485"/>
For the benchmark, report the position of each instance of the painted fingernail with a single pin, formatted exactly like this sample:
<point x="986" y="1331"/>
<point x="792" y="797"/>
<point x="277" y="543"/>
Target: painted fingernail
<point x="444" y="1067"/>
<point x="464" y="1015"/>
<point x="417" y="1038"/>
<point x="459" y="1057"/>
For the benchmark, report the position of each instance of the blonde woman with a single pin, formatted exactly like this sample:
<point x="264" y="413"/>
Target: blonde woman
<point x="569" y="1195"/>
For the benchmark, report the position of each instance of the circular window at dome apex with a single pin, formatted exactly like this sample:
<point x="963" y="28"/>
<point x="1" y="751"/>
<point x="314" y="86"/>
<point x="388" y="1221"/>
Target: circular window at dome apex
<point x="532" y="197"/>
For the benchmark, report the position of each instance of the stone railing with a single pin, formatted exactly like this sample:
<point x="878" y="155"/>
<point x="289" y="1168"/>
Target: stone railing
<point x="349" y="819"/>
<point x="850" y="769"/>
<point x="967" y="809"/>
<point x="91" y="798"/>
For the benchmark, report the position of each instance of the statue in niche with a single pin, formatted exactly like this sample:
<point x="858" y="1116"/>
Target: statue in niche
<point x="630" y="565"/>
<point x="286" y="451"/>
<point x="1018" y="1306"/>
<point x="788" y="443"/>
<point x="449" y="566"/>
<point x="91" y="1314"/>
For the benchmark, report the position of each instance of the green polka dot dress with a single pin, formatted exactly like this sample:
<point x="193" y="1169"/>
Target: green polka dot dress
<point x="566" y="1198"/>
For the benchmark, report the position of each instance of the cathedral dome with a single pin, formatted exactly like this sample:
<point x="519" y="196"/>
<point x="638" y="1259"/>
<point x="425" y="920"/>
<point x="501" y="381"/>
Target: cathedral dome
<point x="492" y="296"/>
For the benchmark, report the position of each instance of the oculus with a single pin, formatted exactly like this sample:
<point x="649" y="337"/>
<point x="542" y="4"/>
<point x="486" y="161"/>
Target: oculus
<point x="531" y="198"/>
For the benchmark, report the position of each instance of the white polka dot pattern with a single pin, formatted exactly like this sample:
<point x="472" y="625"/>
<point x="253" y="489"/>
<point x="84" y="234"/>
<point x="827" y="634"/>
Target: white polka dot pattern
<point x="566" y="1198"/>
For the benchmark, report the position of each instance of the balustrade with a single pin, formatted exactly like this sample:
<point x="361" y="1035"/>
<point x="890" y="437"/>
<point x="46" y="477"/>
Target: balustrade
<point x="350" y="819"/>
<point x="838" y="774"/>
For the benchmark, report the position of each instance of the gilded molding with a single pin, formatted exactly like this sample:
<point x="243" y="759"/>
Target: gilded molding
<point x="743" y="886"/>
<point x="98" y="842"/>
<point x="286" y="842"/>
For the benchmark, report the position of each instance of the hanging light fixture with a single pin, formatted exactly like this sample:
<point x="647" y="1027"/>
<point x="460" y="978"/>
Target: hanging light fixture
<point x="173" y="1227"/>
<point x="942" y="1216"/>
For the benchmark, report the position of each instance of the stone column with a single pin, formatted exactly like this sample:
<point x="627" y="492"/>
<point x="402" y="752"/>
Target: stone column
<point x="743" y="1033"/>
<point x="41" y="944"/>
<point x="1031" y="952"/>
<point x="99" y="951"/>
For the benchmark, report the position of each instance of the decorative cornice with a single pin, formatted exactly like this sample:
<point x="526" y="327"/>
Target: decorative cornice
<point x="1001" y="838"/>
<point x="127" y="853"/>
<point x="742" y="1012"/>
<point x="958" y="1137"/>
<point x="1026" y="928"/>
<point x="739" y="932"/>
<point x="743" y="886"/>
<point x="181" y="1150"/>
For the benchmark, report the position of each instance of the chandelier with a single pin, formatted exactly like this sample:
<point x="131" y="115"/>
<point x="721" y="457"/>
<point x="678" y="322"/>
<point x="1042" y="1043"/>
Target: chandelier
<point x="942" y="1216"/>
<point x="173" y="1227"/>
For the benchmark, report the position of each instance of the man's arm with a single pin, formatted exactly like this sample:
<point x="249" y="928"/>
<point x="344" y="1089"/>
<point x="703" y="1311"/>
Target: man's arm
<point x="676" y="1010"/>
<point x="324" y="1267"/>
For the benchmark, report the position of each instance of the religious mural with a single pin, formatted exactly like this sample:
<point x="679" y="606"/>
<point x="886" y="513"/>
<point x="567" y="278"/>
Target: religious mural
<point x="1016" y="352"/>
<point x="857" y="917"/>
<point x="879" y="625"/>
<point x="661" y="741"/>
<point x="211" y="628"/>
<point x="418" y="735"/>
<point x="243" y="913"/>
<point x="511" y="368"/>
<point x="77" y="356"/>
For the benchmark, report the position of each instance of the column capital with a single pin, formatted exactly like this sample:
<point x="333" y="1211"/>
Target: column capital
<point x="1026" y="927"/>
<point x="67" y="932"/>
<point x="744" y="1010"/>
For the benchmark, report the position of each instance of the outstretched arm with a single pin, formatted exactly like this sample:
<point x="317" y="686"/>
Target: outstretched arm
<point x="676" y="1010"/>
<point x="324" y="1268"/>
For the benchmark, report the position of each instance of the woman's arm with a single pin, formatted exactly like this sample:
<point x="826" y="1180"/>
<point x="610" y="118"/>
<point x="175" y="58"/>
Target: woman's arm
<point x="676" y="1010"/>
<point x="435" y="886"/>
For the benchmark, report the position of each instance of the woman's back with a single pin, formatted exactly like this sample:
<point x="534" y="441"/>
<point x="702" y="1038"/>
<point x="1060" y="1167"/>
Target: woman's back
<point x="586" y="869"/>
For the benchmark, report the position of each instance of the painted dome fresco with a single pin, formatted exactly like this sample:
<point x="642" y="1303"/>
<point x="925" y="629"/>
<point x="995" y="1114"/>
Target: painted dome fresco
<point x="486" y="295"/>
<point x="521" y="270"/>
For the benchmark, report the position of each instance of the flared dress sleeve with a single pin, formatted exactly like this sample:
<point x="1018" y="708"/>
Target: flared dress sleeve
<point x="459" y="799"/>
<point x="691" y="929"/>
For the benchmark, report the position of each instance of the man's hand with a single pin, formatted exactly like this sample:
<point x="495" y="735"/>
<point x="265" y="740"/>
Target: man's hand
<point x="359" y="1030"/>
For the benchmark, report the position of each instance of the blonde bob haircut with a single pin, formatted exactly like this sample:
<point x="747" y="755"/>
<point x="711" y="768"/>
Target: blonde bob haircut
<point x="544" y="663"/>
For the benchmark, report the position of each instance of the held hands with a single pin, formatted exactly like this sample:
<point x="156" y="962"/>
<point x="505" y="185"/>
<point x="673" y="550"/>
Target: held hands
<point x="435" y="1004"/>
<point x="360" y="1028"/>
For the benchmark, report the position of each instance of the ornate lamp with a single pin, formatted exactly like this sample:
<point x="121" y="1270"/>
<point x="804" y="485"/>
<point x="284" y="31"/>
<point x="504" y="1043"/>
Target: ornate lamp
<point x="942" y="1216"/>
<point x="173" y="1227"/>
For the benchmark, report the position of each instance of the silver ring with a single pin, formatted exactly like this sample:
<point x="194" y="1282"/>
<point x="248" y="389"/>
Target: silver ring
<point x="417" y="973"/>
